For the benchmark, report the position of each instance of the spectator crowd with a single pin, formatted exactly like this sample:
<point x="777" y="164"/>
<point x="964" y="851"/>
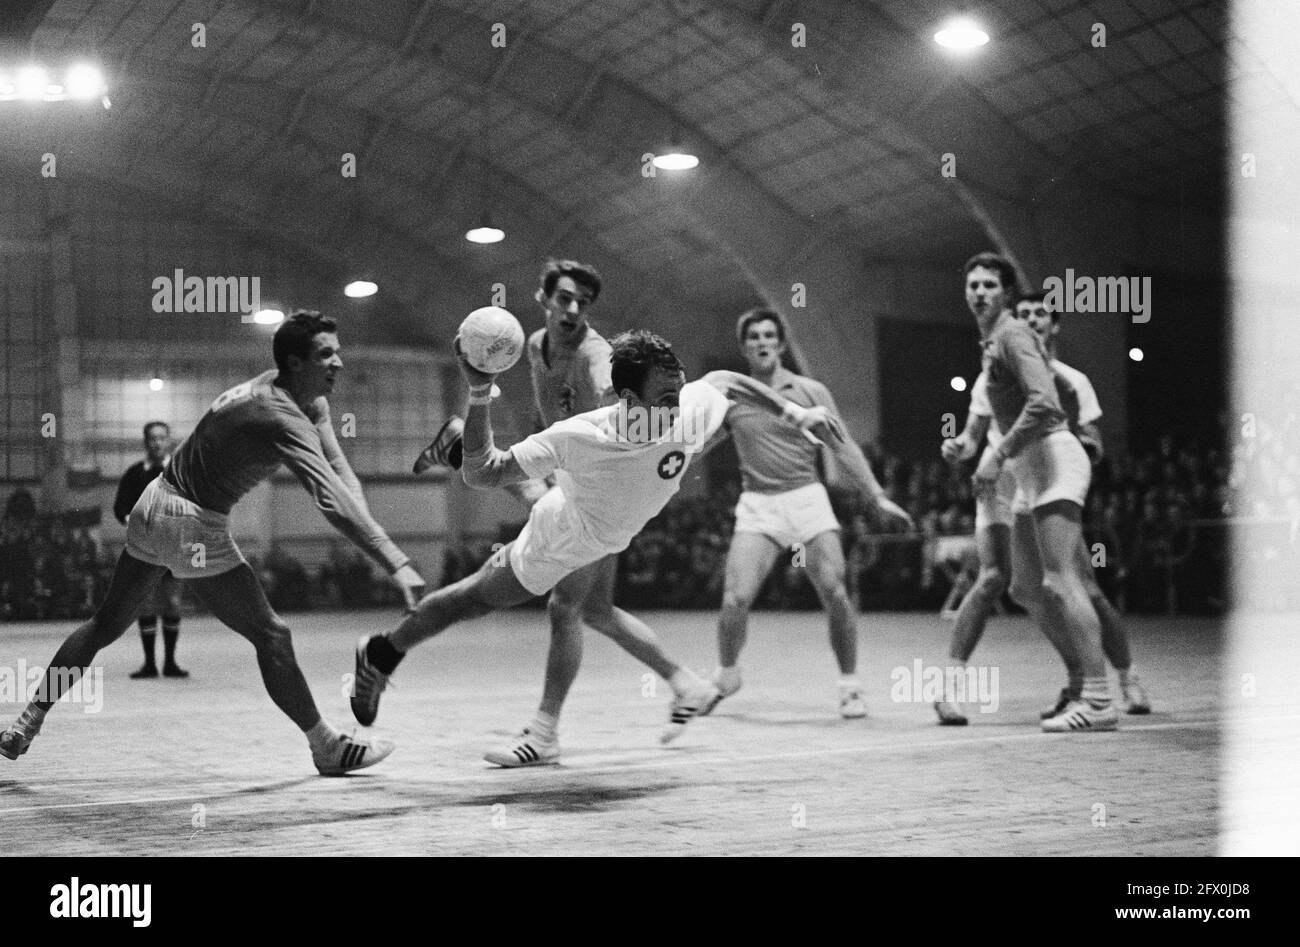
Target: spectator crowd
<point x="1151" y="522"/>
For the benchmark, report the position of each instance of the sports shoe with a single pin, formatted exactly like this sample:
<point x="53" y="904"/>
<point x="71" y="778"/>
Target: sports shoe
<point x="16" y="740"/>
<point x="949" y="715"/>
<point x="723" y="690"/>
<point x="1062" y="702"/>
<point x="686" y="707"/>
<point x="1135" y="696"/>
<point x="852" y="704"/>
<point x="368" y="682"/>
<point x="1082" y="716"/>
<point x="175" y="670"/>
<point x="524" y="750"/>
<point x="446" y="449"/>
<point x="349" y="753"/>
<point x="144" y="673"/>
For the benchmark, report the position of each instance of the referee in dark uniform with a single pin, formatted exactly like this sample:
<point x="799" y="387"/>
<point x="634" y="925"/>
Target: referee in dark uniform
<point x="166" y="599"/>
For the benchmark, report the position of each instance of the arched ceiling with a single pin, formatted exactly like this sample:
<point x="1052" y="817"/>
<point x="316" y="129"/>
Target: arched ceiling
<point x="843" y="137"/>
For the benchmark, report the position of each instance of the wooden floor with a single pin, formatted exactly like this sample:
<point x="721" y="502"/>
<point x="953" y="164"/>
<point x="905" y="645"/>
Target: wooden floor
<point x="208" y="766"/>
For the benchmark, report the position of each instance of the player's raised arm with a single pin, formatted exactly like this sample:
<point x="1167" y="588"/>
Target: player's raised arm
<point x="817" y="420"/>
<point x="485" y="465"/>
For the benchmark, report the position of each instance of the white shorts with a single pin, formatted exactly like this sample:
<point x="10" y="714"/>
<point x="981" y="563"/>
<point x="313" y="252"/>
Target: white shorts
<point x="1053" y="468"/>
<point x="794" y="516"/>
<point x="165" y="529"/>
<point x="995" y="509"/>
<point x="550" y="546"/>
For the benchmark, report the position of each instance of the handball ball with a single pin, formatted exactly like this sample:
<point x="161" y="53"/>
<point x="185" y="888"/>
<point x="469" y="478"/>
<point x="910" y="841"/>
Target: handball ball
<point x="491" y="339"/>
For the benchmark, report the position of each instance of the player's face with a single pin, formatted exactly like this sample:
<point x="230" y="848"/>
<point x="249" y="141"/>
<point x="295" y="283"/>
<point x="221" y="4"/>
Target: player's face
<point x="984" y="292"/>
<point x="155" y="443"/>
<point x="662" y="389"/>
<point x="319" y="370"/>
<point x="1039" y="318"/>
<point x="566" y="310"/>
<point x="762" y="346"/>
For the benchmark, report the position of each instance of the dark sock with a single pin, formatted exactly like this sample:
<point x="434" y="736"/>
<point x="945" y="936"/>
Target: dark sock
<point x="382" y="655"/>
<point x="171" y="629"/>
<point x="148" y="635"/>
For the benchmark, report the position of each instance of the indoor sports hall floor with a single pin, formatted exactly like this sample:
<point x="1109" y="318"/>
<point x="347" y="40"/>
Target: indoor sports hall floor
<point x="208" y="766"/>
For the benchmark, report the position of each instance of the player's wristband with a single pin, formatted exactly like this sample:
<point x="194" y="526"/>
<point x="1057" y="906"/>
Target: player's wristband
<point x="794" y="413"/>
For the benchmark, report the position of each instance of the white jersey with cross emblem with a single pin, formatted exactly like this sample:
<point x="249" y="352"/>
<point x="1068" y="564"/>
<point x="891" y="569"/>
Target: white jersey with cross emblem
<point x="612" y="486"/>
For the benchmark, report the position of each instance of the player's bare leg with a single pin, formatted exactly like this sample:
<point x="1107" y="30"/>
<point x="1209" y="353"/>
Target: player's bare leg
<point x="826" y="569"/>
<point x="133" y="581"/>
<point x="1114" y="638"/>
<point x="1059" y="535"/>
<point x="749" y="561"/>
<point x="237" y="600"/>
<point x="994" y="545"/>
<point x="1027" y="591"/>
<point x="492" y="587"/>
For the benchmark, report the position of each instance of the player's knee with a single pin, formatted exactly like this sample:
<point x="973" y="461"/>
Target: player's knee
<point x="561" y="608"/>
<point x="737" y="600"/>
<point x="1055" y="588"/>
<point x="833" y="591"/>
<point x="1026" y="594"/>
<point x="274" y="637"/>
<point x="991" y="584"/>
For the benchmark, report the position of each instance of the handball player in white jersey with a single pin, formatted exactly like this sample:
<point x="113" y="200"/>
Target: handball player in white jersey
<point x="180" y="525"/>
<point x="569" y="362"/>
<point x="615" y="469"/>
<point x="1052" y="476"/>
<point x="784" y="504"/>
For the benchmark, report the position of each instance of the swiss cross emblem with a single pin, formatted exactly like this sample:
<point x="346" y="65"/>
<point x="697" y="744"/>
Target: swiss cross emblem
<point x="671" y="465"/>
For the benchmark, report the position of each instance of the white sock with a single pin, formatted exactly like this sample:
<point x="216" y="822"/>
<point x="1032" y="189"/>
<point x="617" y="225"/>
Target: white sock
<point x="544" y="726"/>
<point x="1096" y="691"/>
<point x="322" y="736"/>
<point x="850" y="682"/>
<point x="684" y="680"/>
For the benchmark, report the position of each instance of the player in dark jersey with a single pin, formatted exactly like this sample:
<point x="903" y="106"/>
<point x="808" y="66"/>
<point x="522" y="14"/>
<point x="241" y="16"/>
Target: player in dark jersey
<point x="166" y="600"/>
<point x="1052" y="475"/>
<point x="180" y="525"/>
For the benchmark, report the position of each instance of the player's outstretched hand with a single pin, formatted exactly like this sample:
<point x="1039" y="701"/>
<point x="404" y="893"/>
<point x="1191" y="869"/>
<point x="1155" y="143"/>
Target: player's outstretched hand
<point x="956" y="449"/>
<point x="472" y="375"/>
<point x="891" y="512"/>
<point x="820" y="421"/>
<point x="411" y="585"/>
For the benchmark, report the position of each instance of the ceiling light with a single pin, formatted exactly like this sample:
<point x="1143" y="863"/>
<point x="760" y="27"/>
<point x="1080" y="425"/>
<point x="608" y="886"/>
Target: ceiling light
<point x="84" y="82"/>
<point x="155" y="384"/>
<point x="675" y="161"/>
<point x="268" y="317"/>
<point x="961" y="34"/>
<point x="485" y="235"/>
<point x="359" y="289"/>
<point x="32" y="82"/>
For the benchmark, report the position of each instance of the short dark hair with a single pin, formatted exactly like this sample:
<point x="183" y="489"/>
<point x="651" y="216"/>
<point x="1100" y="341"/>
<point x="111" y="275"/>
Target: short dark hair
<point x="295" y="334"/>
<point x="153" y="424"/>
<point x="634" y="354"/>
<point x="580" y="273"/>
<point x="991" y="261"/>
<point x="1039" y="297"/>
<point x="759" y="314"/>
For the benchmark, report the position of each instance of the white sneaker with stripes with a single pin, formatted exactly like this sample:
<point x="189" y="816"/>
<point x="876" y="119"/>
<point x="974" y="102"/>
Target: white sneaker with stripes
<point x="349" y="753"/>
<point x="16" y="740"/>
<point x="1079" y="716"/>
<point x="687" y="706"/>
<point x="524" y="750"/>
